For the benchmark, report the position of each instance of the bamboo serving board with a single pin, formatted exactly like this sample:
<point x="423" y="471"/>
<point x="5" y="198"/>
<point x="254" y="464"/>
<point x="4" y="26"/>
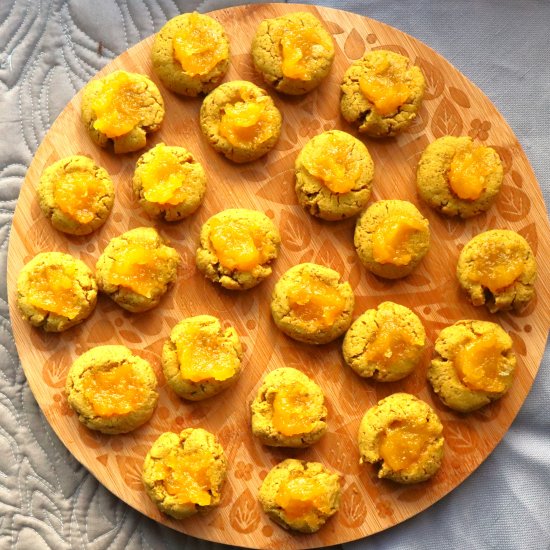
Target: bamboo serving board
<point x="452" y="105"/>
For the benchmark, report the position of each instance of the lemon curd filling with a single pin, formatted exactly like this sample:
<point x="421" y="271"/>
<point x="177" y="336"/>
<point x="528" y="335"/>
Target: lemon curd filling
<point x="292" y="410"/>
<point x="333" y="165"/>
<point x="186" y="476"/>
<point x="204" y="356"/>
<point x="390" y="344"/>
<point x="247" y="122"/>
<point x="118" y="105"/>
<point x="403" y="443"/>
<point x="164" y="178"/>
<point x="200" y="46"/>
<point x="496" y="266"/>
<point x="384" y="87"/>
<point x="301" y="497"/>
<point x="76" y="193"/>
<point x="239" y="245"/>
<point x="53" y="289"/>
<point x="469" y="170"/>
<point x="314" y="300"/>
<point x="299" y="45"/>
<point x="115" y="391"/>
<point x="139" y="268"/>
<point x="481" y="366"/>
<point x="390" y="240"/>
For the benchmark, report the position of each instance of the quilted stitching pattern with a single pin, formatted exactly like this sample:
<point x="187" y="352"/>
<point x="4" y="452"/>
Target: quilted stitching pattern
<point x="49" y="49"/>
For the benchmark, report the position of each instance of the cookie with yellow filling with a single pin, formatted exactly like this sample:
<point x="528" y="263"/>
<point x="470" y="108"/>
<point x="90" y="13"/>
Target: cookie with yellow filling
<point x="184" y="473"/>
<point x="55" y="291"/>
<point x="190" y="54"/>
<point x="76" y="195"/>
<point x="498" y="268"/>
<point x="402" y="435"/>
<point x="391" y="238"/>
<point x="300" y="495"/>
<point x="289" y="410"/>
<point x="382" y="93"/>
<point x="385" y="343"/>
<point x="459" y="178"/>
<point x="112" y="390"/>
<point x="237" y="247"/>
<point x="136" y="269"/>
<point x="120" y="109"/>
<point x="293" y="52"/>
<point x="240" y="121"/>
<point x="169" y="182"/>
<point x="473" y="365"/>
<point x="311" y="304"/>
<point x="201" y="358"/>
<point x="334" y="173"/>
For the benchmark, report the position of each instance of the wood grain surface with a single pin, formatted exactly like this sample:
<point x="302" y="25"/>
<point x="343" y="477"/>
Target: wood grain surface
<point x="452" y="105"/>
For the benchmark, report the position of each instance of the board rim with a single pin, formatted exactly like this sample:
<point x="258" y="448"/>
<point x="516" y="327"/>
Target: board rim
<point x="309" y="7"/>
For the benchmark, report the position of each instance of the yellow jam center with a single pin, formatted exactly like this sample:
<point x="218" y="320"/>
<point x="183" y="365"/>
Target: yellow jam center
<point x="390" y="240"/>
<point x="384" y="88"/>
<point x="164" y="178"/>
<point x="204" y="356"/>
<point x="76" y="193"/>
<point x="52" y="289"/>
<point x="247" y="122"/>
<point x="496" y="267"/>
<point x="469" y="170"/>
<point x="403" y="443"/>
<point x="186" y="476"/>
<point x="299" y="45"/>
<point x="239" y="245"/>
<point x="311" y="299"/>
<point x="115" y="391"/>
<point x="391" y="343"/>
<point x="301" y="497"/>
<point x="479" y="364"/>
<point x="118" y="105"/>
<point x="292" y="410"/>
<point x="139" y="268"/>
<point x="200" y="46"/>
<point x="333" y="165"/>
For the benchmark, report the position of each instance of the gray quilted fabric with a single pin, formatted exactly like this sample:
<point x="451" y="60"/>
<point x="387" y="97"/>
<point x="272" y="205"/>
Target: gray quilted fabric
<point x="49" y="49"/>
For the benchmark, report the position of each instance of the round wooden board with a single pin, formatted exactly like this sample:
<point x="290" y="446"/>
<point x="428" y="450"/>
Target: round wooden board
<point x="452" y="105"/>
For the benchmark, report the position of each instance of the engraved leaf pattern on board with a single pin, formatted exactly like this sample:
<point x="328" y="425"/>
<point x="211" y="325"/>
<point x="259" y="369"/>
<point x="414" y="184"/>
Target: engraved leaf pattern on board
<point x="513" y="204"/>
<point x="446" y="120"/>
<point x="354" y="46"/>
<point x="453" y="228"/>
<point x="100" y="331"/>
<point x="352" y="506"/>
<point x="244" y="515"/>
<point x="130" y="470"/>
<point x="279" y="190"/>
<point x="529" y="233"/>
<point x="55" y="369"/>
<point x="459" y="97"/>
<point x="295" y="234"/>
<point x="505" y="156"/>
<point x="519" y="344"/>
<point x="333" y="28"/>
<point x="329" y="256"/>
<point x="420" y="121"/>
<point x="130" y="336"/>
<point x="461" y="437"/>
<point x="258" y="174"/>
<point x="434" y="79"/>
<point x="337" y="447"/>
